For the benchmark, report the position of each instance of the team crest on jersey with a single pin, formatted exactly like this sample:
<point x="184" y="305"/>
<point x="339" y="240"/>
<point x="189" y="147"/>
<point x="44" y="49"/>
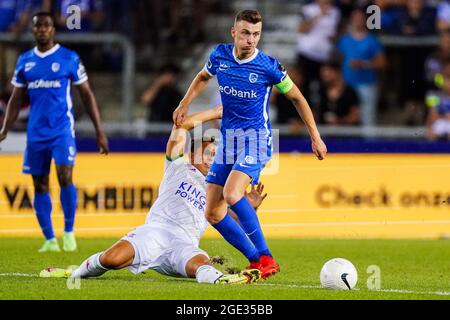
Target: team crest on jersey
<point x="29" y="66"/>
<point x="55" y="66"/>
<point x="253" y="77"/>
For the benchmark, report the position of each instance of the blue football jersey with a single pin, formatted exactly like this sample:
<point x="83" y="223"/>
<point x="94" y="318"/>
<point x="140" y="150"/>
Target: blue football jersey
<point x="48" y="77"/>
<point x="245" y="87"/>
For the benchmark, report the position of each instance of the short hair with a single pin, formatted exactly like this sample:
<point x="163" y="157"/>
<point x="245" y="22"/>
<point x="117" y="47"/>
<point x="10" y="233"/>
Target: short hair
<point x="333" y="64"/>
<point x="43" y="14"/>
<point x="199" y="142"/>
<point x="251" y="16"/>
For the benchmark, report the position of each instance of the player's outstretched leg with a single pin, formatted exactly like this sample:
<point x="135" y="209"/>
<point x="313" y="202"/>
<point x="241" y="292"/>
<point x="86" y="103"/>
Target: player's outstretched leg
<point x="199" y="267"/>
<point x="43" y="208"/>
<point x="234" y="191"/>
<point x="230" y="230"/>
<point x="68" y="197"/>
<point x="119" y="256"/>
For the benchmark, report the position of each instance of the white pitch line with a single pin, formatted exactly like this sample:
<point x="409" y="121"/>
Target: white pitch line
<point x="280" y="225"/>
<point x="17" y="275"/>
<point x="355" y="223"/>
<point x="440" y="293"/>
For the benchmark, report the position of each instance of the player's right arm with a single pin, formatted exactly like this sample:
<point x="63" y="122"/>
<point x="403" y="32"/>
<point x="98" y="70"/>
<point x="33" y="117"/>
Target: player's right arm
<point x="12" y="110"/>
<point x="197" y="86"/>
<point x="177" y="140"/>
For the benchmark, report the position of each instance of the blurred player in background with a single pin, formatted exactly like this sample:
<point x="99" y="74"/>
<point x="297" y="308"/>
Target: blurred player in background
<point x="46" y="73"/>
<point x="168" y="242"/>
<point x="245" y="76"/>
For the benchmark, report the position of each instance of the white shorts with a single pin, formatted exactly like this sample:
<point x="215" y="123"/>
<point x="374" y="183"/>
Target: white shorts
<point x="162" y="247"/>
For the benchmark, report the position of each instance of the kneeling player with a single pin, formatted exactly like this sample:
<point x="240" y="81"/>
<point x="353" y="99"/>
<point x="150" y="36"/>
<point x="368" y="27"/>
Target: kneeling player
<point x="168" y="242"/>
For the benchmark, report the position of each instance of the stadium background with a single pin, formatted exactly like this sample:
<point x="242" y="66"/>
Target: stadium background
<point x="385" y="179"/>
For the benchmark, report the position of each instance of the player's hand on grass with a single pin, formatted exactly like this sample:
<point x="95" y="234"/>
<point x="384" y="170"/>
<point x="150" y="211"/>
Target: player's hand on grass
<point x="102" y="142"/>
<point x="256" y="196"/>
<point x="179" y="115"/>
<point x="319" y="148"/>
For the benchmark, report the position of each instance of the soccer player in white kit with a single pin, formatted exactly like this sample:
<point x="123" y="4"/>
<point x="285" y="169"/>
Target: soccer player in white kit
<point x="168" y="242"/>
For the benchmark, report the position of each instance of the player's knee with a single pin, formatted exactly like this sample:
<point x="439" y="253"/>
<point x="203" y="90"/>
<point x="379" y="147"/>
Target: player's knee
<point x="111" y="259"/>
<point x="231" y="196"/>
<point x="64" y="178"/>
<point x="213" y="217"/>
<point x="40" y="185"/>
<point x="195" y="263"/>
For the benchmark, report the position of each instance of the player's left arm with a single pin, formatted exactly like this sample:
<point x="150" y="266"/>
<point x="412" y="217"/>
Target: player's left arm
<point x="292" y="92"/>
<point x="177" y="140"/>
<point x="90" y="103"/>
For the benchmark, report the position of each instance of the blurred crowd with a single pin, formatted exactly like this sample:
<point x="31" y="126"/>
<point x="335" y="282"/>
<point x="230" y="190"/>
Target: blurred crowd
<point x="342" y="67"/>
<point x="346" y="73"/>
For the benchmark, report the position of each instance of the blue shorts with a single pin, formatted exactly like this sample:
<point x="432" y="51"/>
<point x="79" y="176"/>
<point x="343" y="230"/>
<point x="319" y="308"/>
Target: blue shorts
<point x="38" y="155"/>
<point x="218" y="173"/>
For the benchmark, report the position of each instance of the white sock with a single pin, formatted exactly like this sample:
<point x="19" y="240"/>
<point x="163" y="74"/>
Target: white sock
<point x="207" y="274"/>
<point x="91" y="267"/>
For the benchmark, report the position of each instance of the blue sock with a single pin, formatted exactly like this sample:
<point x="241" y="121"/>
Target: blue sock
<point x="43" y="208"/>
<point x="250" y="223"/>
<point x="233" y="233"/>
<point x="68" y="198"/>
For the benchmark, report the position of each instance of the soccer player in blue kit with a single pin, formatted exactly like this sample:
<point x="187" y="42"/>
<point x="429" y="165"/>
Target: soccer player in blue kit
<point x="47" y="72"/>
<point x="245" y="76"/>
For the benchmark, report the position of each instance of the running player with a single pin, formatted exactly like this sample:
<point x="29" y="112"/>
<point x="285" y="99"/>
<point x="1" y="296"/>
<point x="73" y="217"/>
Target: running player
<point x="47" y="72"/>
<point x="168" y="242"/>
<point x="245" y="76"/>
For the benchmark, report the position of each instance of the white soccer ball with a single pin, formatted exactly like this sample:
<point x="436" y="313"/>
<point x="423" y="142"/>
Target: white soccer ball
<point x="338" y="274"/>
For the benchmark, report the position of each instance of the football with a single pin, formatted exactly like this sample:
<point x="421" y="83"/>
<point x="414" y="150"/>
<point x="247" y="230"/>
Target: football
<point x="338" y="274"/>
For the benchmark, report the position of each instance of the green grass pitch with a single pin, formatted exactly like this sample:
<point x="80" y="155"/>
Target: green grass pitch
<point x="410" y="269"/>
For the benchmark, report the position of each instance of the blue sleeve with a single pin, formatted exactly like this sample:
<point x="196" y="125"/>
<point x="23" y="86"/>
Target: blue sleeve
<point x="277" y="72"/>
<point x="78" y="73"/>
<point x="213" y="63"/>
<point x="18" y="79"/>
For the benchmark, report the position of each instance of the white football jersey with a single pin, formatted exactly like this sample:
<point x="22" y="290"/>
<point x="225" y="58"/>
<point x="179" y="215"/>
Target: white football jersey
<point x="182" y="199"/>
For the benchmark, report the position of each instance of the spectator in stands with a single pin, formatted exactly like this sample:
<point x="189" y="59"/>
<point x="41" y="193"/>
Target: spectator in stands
<point x="443" y="15"/>
<point x="316" y="32"/>
<point x="286" y="112"/>
<point x="390" y="11"/>
<point x="435" y="61"/>
<point x="339" y="103"/>
<point x="92" y="15"/>
<point x="14" y="17"/>
<point x="362" y="56"/>
<point x="163" y="96"/>
<point x="416" y="19"/>
<point x="438" y="122"/>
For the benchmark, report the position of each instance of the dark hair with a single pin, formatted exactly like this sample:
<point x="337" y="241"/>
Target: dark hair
<point x="171" y="68"/>
<point x="198" y="142"/>
<point x="43" y="14"/>
<point x="251" y="16"/>
<point x="333" y="64"/>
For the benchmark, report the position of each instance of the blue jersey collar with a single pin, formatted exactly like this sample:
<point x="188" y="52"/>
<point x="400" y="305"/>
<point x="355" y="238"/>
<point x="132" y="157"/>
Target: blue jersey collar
<point x="46" y="53"/>
<point x="245" y="60"/>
